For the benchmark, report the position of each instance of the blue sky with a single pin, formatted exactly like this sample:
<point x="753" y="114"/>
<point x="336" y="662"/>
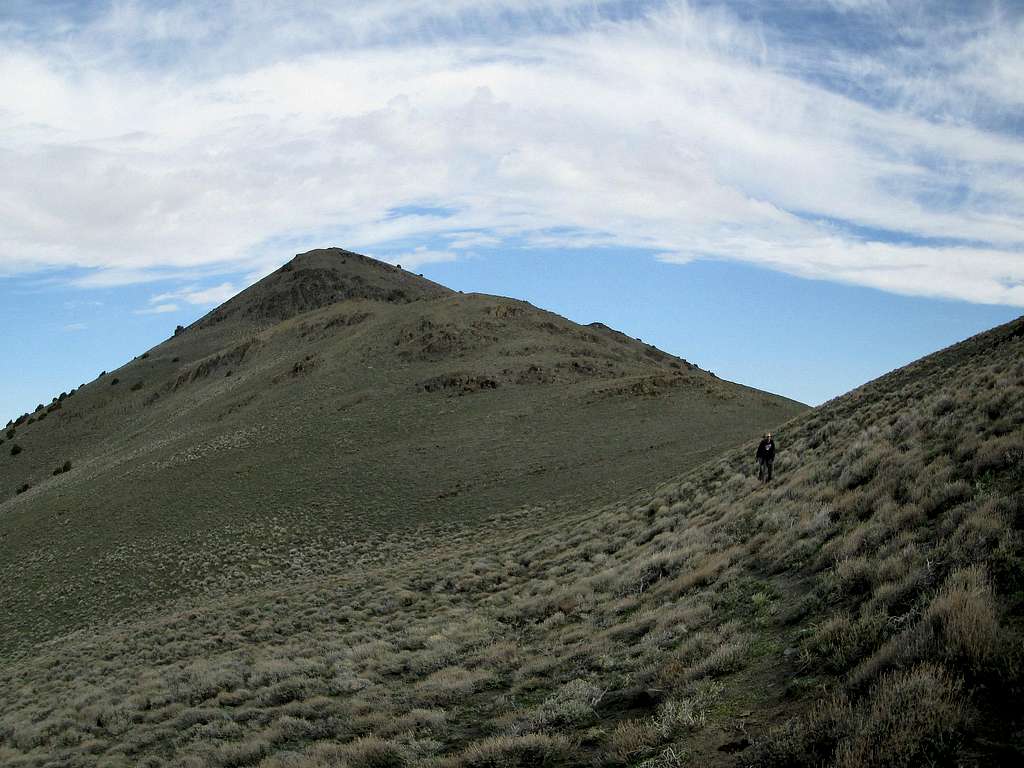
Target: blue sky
<point x="797" y="195"/>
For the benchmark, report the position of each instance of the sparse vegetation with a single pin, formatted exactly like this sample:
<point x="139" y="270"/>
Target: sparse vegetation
<point x="864" y="609"/>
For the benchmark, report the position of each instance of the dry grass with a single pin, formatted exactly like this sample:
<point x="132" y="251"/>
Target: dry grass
<point x="852" y="614"/>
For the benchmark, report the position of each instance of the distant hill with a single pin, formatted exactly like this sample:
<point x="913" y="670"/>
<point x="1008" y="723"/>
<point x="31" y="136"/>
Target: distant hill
<point x="338" y="399"/>
<point x="866" y="608"/>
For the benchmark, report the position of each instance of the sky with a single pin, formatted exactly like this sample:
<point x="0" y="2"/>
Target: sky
<point x="799" y="195"/>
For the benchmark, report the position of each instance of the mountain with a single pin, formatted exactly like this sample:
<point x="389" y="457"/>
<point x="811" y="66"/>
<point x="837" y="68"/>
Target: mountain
<point x="339" y="400"/>
<point x="863" y="609"/>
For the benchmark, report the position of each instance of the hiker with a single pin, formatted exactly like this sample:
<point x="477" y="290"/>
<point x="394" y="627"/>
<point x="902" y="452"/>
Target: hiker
<point x="765" y="458"/>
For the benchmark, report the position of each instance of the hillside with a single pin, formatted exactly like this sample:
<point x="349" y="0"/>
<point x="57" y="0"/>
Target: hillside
<point x="865" y="609"/>
<point x="337" y="401"/>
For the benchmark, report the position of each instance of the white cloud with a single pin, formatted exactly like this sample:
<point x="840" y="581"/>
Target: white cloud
<point x="158" y="309"/>
<point x="116" y="276"/>
<point x="461" y="241"/>
<point x="217" y="294"/>
<point x="72" y="327"/>
<point x="420" y="256"/>
<point x="675" y="258"/>
<point x="680" y="131"/>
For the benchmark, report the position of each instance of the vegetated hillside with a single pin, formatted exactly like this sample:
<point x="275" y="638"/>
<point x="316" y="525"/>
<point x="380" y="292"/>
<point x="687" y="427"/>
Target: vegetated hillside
<point x="864" y="609"/>
<point x="337" y="399"/>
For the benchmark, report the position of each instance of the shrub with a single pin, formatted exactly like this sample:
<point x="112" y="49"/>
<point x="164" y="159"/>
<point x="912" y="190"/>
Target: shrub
<point x="632" y="738"/>
<point x="808" y="742"/>
<point x="15" y="449"/>
<point x="450" y="684"/>
<point x="942" y="497"/>
<point x="573" y="704"/>
<point x="840" y="642"/>
<point x="960" y="626"/>
<point x="282" y="693"/>
<point x="237" y="754"/>
<point x="515" y="752"/>
<point x="998" y="455"/>
<point x="114" y="381"/>
<point x="724" y="660"/>
<point x="23" y="488"/>
<point x="136" y="386"/>
<point x="861" y="469"/>
<point x="65" y="467"/>
<point x="372" y="752"/>
<point x="910" y="719"/>
<point x="964" y="619"/>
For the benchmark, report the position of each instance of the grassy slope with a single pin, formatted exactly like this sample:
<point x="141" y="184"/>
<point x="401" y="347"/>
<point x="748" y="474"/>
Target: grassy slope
<point x="863" y="610"/>
<point x="338" y="399"/>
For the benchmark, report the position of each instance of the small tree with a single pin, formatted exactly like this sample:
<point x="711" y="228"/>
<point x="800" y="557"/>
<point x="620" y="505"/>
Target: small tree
<point x="15" y="449"/>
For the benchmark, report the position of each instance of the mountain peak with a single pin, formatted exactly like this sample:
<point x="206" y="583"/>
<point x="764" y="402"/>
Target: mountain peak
<point x="322" y="277"/>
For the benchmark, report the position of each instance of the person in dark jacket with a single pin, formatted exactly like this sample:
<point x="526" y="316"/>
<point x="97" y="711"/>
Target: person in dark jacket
<point x="765" y="457"/>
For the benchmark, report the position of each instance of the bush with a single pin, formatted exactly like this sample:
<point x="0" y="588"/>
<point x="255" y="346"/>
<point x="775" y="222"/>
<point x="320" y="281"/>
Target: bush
<point x="909" y="719"/>
<point x="571" y="705"/>
<point x="114" y="381"/>
<point x="136" y="386"/>
<point x="372" y="752"/>
<point x="808" y="742"/>
<point x="15" y="449"/>
<point x="65" y="467"/>
<point x="515" y="752"/>
<point x="964" y="619"/>
<point x="999" y="455"/>
<point x="23" y="488"/>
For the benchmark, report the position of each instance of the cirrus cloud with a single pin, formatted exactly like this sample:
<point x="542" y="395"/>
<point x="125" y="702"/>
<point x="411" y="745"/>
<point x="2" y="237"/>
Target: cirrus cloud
<point x="684" y="129"/>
